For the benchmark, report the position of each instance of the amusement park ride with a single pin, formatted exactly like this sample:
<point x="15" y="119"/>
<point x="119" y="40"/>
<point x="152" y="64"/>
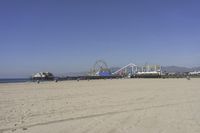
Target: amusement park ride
<point x="100" y="68"/>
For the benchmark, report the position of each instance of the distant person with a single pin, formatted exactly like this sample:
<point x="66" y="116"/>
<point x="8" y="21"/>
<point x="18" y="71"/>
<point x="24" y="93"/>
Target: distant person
<point x="56" y="80"/>
<point x="188" y="77"/>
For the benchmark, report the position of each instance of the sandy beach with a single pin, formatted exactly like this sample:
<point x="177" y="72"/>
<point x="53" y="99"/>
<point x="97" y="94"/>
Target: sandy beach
<point x="101" y="106"/>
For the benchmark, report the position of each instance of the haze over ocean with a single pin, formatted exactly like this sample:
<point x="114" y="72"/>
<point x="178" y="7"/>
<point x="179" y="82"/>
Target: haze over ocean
<point x="69" y="36"/>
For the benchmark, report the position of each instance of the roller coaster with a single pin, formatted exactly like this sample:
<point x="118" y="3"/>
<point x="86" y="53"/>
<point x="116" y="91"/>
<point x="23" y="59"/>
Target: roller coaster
<point x="135" y="71"/>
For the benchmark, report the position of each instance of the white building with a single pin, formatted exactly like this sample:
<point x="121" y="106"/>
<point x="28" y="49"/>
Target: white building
<point x="195" y="73"/>
<point x="43" y="75"/>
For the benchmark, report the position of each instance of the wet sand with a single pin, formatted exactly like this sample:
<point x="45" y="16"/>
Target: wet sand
<point x="101" y="106"/>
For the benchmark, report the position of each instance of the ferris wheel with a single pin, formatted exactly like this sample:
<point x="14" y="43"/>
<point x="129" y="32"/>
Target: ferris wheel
<point x="100" y="66"/>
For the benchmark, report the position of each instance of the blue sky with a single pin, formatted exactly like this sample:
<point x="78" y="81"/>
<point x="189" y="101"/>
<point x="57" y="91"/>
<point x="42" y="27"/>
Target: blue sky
<point x="69" y="36"/>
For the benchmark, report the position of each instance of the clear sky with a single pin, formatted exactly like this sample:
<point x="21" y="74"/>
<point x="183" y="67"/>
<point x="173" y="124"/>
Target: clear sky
<point x="63" y="36"/>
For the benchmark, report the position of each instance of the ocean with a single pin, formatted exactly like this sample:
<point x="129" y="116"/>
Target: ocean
<point x="15" y="80"/>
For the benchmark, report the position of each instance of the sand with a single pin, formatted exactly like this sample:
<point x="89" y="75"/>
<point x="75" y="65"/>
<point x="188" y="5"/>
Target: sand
<point x="101" y="106"/>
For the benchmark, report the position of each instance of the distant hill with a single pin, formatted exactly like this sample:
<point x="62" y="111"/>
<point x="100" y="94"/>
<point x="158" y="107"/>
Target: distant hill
<point x="197" y="68"/>
<point x="175" y="69"/>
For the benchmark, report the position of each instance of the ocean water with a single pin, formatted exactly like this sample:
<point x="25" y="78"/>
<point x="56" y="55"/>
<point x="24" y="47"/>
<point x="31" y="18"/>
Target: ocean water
<point x="15" y="80"/>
